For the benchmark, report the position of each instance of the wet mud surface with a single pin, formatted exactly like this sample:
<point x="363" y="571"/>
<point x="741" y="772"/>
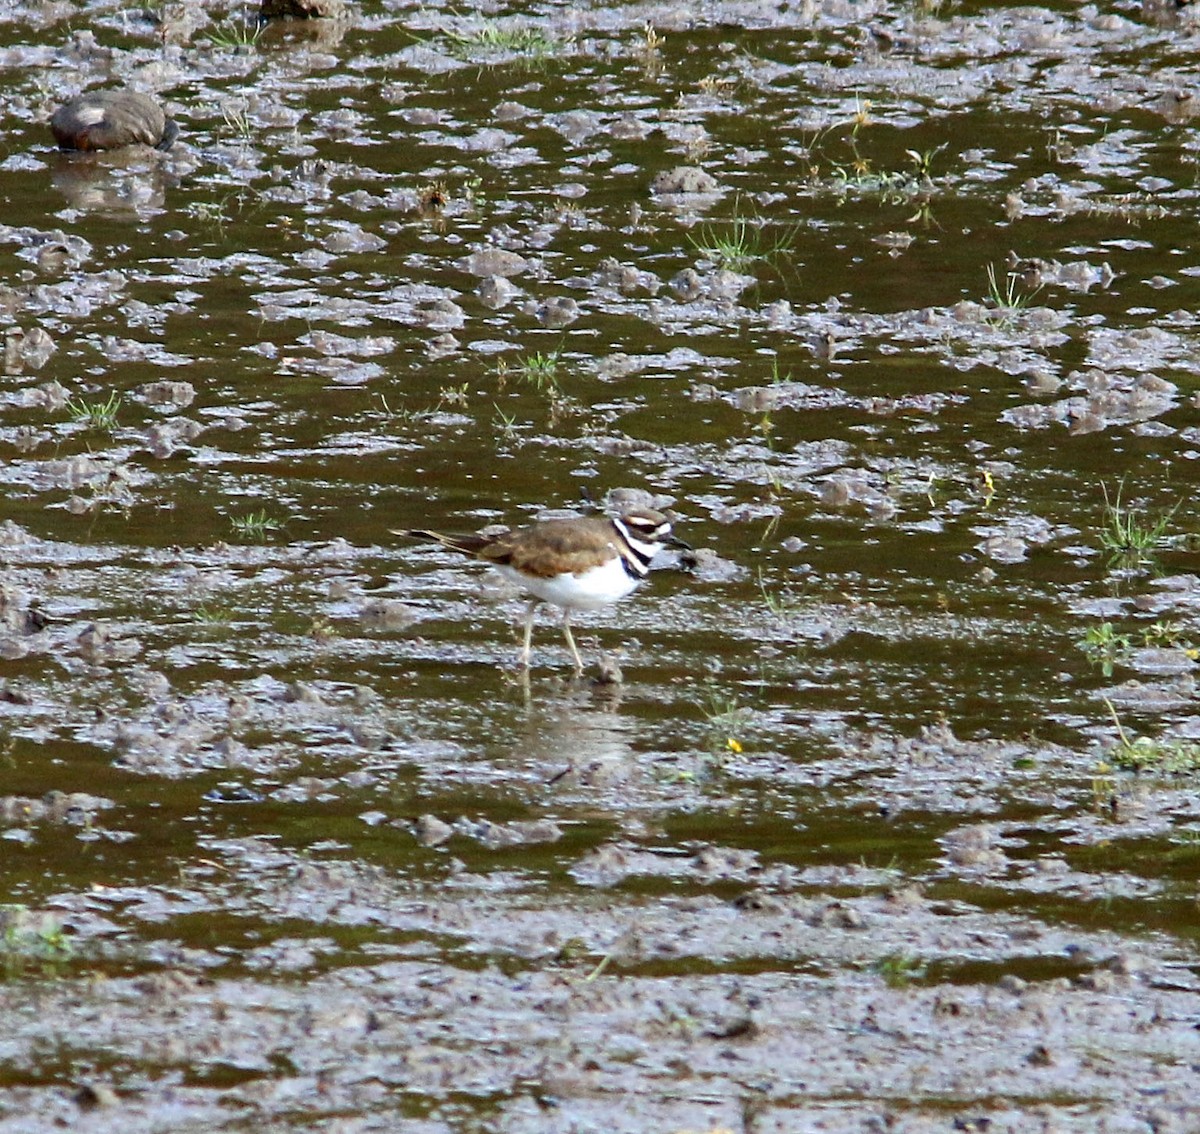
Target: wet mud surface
<point x="877" y="812"/>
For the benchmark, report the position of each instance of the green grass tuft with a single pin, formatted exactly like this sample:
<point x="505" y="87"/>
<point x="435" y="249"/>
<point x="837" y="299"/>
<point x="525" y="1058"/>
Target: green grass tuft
<point x="28" y="939"/>
<point x="1131" y="533"/>
<point x="1106" y="647"/>
<point x="742" y="242"/>
<point x="505" y="38"/>
<point x="1145" y="754"/>
<point x="235" y="35"/>
<point x="1007" y="300"/>
<point x="96" y="415"/>
<point x="255" y="525"/>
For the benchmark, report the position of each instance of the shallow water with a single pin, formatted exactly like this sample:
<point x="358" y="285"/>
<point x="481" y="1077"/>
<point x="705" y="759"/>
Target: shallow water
<point x="329" y="861"/>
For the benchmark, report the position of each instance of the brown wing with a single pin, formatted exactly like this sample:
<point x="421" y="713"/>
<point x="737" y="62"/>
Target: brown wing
<point x="554" y="547"/>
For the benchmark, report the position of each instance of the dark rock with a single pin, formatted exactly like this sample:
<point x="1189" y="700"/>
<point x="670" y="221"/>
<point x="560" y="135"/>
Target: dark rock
<point x="107" y="120"/>
<point x="302" y="9"/>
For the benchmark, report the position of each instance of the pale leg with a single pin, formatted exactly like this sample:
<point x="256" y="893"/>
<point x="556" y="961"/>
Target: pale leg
<point x="571" y="641"/>
<point x="525" y="650"/>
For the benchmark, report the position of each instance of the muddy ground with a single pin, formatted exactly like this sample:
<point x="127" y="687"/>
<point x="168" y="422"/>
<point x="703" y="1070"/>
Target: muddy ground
<point x="879" y="812"/>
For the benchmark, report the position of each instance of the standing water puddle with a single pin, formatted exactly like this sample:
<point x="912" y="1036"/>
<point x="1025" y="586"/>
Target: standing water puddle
<point x="891" y="821"/>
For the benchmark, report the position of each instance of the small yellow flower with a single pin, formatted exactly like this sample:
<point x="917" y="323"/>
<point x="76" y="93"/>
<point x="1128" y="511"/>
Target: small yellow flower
<point x="733" y="746"/>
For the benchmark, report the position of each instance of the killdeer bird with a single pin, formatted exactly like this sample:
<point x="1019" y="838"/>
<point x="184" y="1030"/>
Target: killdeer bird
<point x="578" y="564"/>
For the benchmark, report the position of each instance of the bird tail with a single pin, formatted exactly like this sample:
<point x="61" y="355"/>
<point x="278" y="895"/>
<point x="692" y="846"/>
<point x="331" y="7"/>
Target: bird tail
<point x="465" y="544"/>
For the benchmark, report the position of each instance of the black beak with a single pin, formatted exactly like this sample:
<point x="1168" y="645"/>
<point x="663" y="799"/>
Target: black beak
<point x="674" y="541"/>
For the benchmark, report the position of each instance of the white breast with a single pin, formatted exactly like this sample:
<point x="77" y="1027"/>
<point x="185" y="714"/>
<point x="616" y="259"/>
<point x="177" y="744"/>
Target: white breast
<point x="588" y="590"/>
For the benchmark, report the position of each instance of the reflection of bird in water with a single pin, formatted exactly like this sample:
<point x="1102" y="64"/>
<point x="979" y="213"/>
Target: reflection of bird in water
<point x="108" y="120"/>
<point x="585" y="744"/>
<point x="118" y="184"/>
